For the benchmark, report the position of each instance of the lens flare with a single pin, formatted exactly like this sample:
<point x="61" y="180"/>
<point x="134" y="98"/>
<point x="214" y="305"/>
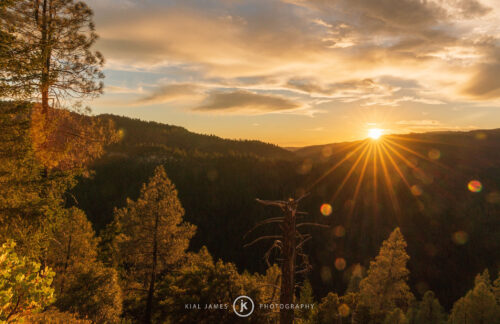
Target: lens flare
<point x="434" y="154"/>
<point x="339" y="231"/>
<point x="344" y="310"/>
<point x="326" y="209"/>
<point x="375" y="133"/>
<point x="340" y="264"/>
<point x="475" y="186"/>
<point x="460" y="237"/>
<point x="416" y="190"/>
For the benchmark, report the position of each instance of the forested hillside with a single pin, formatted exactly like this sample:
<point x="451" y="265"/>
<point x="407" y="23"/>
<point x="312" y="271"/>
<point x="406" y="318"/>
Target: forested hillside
<point x="218" y="190"/>
<point x="106" y="219"/>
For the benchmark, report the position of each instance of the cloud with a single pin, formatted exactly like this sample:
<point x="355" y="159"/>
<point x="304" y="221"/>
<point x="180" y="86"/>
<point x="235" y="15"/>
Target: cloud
<point x="485" y="82"/>
<point x="335" y="50"/>
<point x="246" y="102"/>
<point x="471" y="8"/>
<point x="171" y="92"/>
<point x="420" y="122"/>
<point x="428" y="125"/>
<point x="122" y="90"/>
<point x="351" y="89"/>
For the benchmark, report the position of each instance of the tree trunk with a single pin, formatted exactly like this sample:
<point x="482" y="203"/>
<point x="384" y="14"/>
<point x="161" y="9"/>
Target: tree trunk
<point x="151" y="290"/>
<point x="45" y="56"/>
<point x="288" y="268"/>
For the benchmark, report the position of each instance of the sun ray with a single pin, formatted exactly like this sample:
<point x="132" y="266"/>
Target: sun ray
<point x="360" y="181"/>
<point x="375" y="182"/>
<point x="447" y="194"/>
<point x="364" y="143"/>
<point x="388" y="183"/>
<point x="415" y="140"/>
<point x="419" y="155"/>
<point x="396" y="167"/>
<point x="348" y="175"/>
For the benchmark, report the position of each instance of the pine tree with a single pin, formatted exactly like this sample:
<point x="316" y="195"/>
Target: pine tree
<point x="355" y="280"/>
<point x="496" y="288"/>
<point x="153" y="235"/>
<point x="430" y="310"/>
<point x="397" y="316"/>
<point x="94" y="293"/>
<point x="83" y="284"/>
<point x="30" y="200"/>
<point x="202" y="281"/>
<point x="306" y="297"/>
<point x="328" y="310"/>
<point x="478" y="306"/>
<point x="385" y="287"/>
<point x="8" y="49"/>
<point x="73" y="247"/>
<point x="54" y="40"/>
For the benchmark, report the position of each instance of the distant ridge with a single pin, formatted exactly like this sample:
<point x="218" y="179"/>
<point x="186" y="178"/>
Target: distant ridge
<point x="147" y="133"/>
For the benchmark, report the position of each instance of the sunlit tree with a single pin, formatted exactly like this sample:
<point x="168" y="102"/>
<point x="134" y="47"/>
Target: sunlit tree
<point x="306" y="297"/>
<point x="54" y="40"/>
<point x="69" y="141"/>
<point x="201" y="280"/>
<point x="24" y="287"/>
<point x="478" y="306"/>
<point x="430" y="310"/>
<point x="385" y="286"/>
<point x="396" y="316"/>
<point x="153" y="235"/>
<point x="93" y="292"/>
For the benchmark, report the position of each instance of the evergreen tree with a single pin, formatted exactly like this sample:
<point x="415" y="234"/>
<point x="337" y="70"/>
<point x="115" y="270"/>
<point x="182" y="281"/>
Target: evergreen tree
<point x="153" y="235"/>
<point x="496" y="288"/>
<point x="396" y="316"/>
<point x="53" y="316"/>
<point x="55" y="59"/>
<point x="73" y="247"/>
<point x="430" y="310"/>
<point x="328" y="310"/>
<point x="7" y="48"/>
<point x="202" y="281"/>
<point x="306" y="297"/>
<point x="24" y="286"/>
<point x="478" y="306"/>
<point x="355" y="280"/>
<point x="83" y="284"/>
<point x="94" y="293"/>
<point x="30" y="199"/>
<point x="385" y="287"/>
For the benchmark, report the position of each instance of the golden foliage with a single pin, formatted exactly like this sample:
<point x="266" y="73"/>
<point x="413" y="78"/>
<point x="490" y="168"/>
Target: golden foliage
<point x="66" y="140"/>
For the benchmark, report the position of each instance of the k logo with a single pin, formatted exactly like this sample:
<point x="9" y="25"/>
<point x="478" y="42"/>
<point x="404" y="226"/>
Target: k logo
<point x="243" y="306"/>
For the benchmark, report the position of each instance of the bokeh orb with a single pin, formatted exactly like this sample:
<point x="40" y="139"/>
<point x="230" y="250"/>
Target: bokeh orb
<point x="339" y="231"/>
<point x="340" y="264"/>
<point x="460" y="237"/>
<point x="326" y="209"/>
<point x="475" y="186"/>
<point x="434" y="154"/>
<point x="344" y="310"/>
<point x="416" y="190"/>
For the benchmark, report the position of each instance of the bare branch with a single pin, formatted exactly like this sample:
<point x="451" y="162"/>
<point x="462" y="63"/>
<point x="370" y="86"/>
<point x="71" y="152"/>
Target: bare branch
<point x="264" y="222"/>
<point x="263" y="238"/>
<point x="313" y="224"/>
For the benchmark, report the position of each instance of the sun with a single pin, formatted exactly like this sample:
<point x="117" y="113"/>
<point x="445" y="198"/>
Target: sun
<point x="375" y="133"/>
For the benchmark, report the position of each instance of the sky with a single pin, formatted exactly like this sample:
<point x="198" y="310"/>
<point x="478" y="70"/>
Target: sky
<point x="302" y="72"/>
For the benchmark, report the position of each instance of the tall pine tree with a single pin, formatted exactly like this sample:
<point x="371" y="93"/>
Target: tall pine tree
<point x="53" y="57"/>
<point x="478" y="306"/>
<point x="385" y="286"/>
<point x="153" y="235"/>
<point x="430" y="310"/>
